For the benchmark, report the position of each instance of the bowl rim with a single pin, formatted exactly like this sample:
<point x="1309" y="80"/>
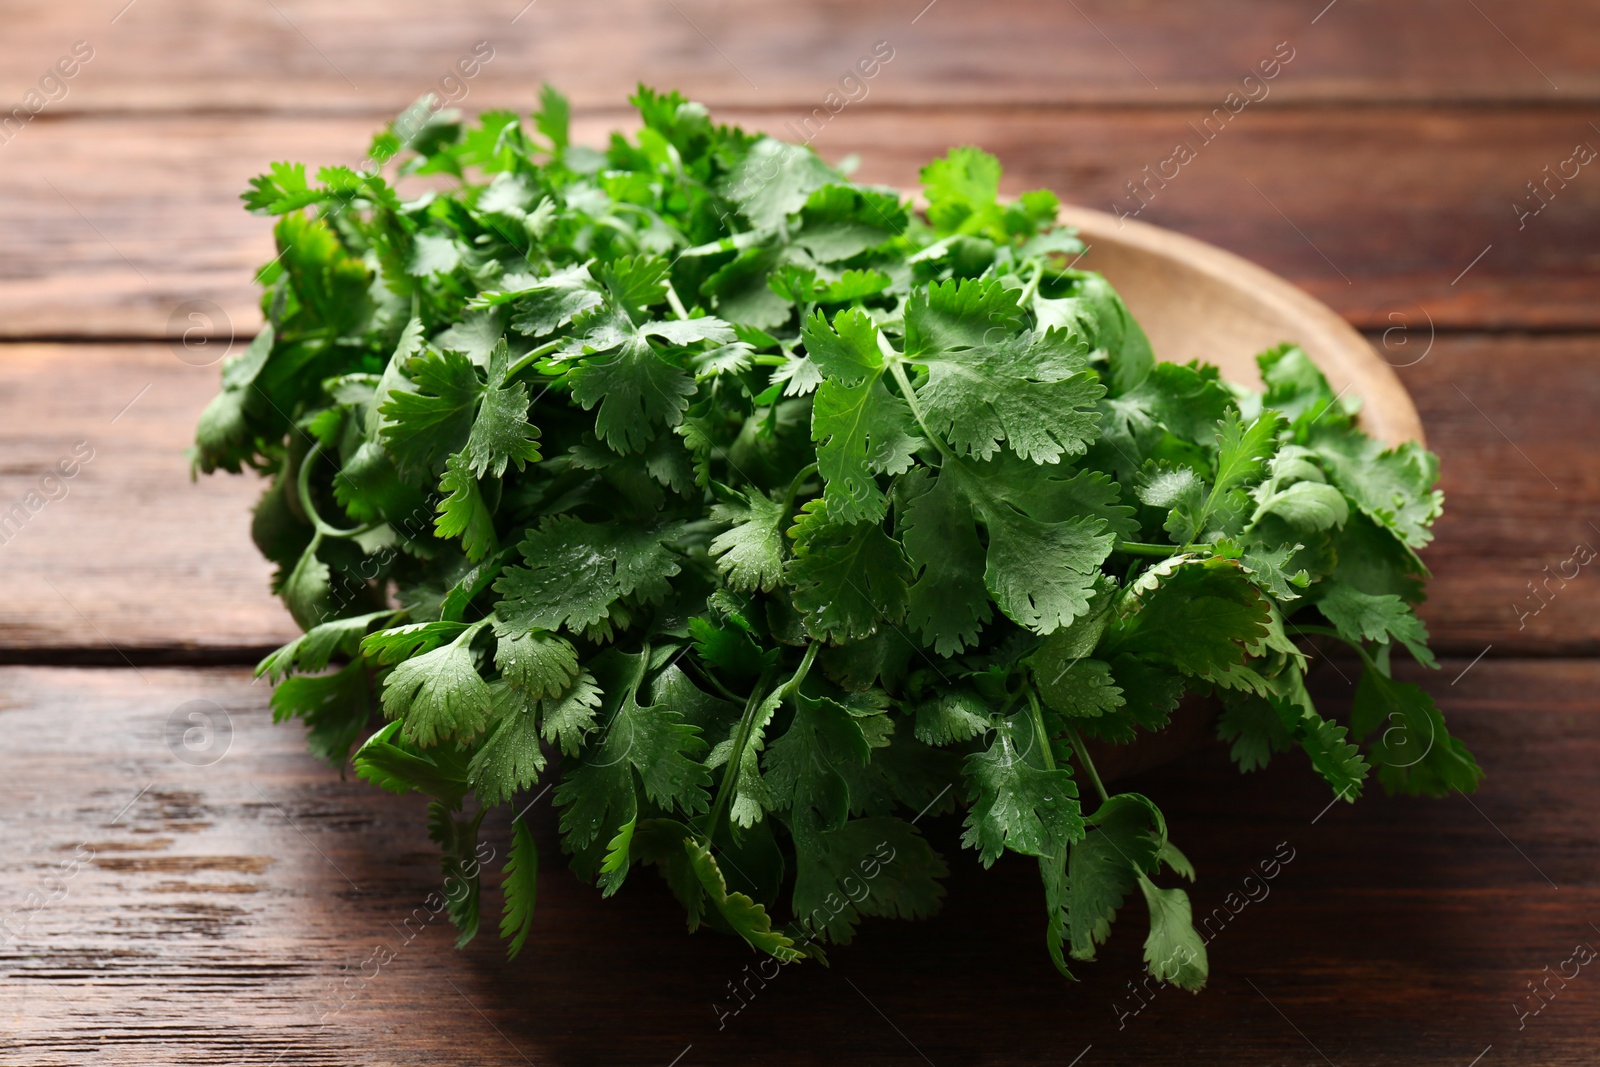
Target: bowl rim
<point x="1387" y="412"/>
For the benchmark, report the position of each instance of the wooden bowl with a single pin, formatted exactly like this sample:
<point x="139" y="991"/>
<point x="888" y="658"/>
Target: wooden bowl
<point x="1199" y="302"/>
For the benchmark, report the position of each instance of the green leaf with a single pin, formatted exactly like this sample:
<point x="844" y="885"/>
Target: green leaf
<point x="552" y="118"/>
<point x="948" y="603"/>
<point x="423" y="426"/>
<point x="577" y="570"/>
<point x="334" y="707"/>
<point x="463" y="512"/>
<point x="986" y="385"/>
<point x="952" y="715"/>
<point x="439" y="695"/>
<point x="501" y="434"/>
<point x="315" y="649"/>
<point x="859" y="427"/>
<point x="1017" y="803"/>
<point x="539" y="663"/>
<point x="1361" y="617"/>
<point x="306" y="592"/>
<point x="750" y="554"/>
<point x="1083" y="688"/>
<point x="1123" y="846"/>
<point x="1174" y="951"/>
<point x="873" y="866"/>
<point x="509" y="759"/>
<point x="391" y="762"/>
<point x="1242" y="451"/>
<point x="648" y="747"/>
<point x="1196" y="615"/>
<point x="1413" y="751"/>
<point x="774" y="180"/>
<point x="520" y="884"/>
<point x="637" y="391"/>
<point x="746" y="918"/>
<point x="849" y="580"/>
<point x="1309" y="507"/>
<point x="1394" y="487"/>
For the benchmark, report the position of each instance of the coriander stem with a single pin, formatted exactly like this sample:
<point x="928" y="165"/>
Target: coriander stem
<point x="1087" y="764"/>
<point x="899" y="372"/>
<point x="1039" y="731"/>
<point x="736" y="754"/>
<point x="794" y="490"/>
<point x="677" y="305"/>
<point x="1141" y="548"/>
<point x="758" y="696"/>
<point x="532" y="357"/>
<point x="303" y="484"/>
<point x="1033" y="285"/>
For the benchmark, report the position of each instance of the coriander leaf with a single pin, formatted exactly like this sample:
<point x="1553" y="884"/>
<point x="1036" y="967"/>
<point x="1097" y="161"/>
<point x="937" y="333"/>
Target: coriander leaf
<point x="873" y="866"/>
<point x="750" y="555"/>
<point x="848" y="579"/>
<point x="520" y="884"/>
<point x="463" y="513"/>
<point x="1196" y="615"/>
<point x="1394" y="486"/>
<point x="1083" y="688"/>
<point x="334" y="707"/>
<point x="774" y="180"/>
<point x="1017" y="803"/>
<point x="1127" y="836"/>
<point x="1361" y="616"/>
<point x="439" y="694"/>
<point x="391" y="762"/>
<point x="313" y="650"/>
<point x="947" y="604"/>
<point x="747" y="918"/>
<point x="577" y="570"/>
<point x="509" y="759"/>
<point x="636" y="389"/>
<point x="1414" y="752"/>
<point x="1174" y="951"/>
<point x="421" y="427"/>
<point x="501" y="434"/>
<point x="538" y="662"/>
<point x="952" y="715"/>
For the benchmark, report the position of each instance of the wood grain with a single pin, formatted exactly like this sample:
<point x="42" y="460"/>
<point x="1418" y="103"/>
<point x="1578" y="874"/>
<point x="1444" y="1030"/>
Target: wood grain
<point x="135" y="560"/>
<point x="293" y="55"/>
<point x="226" y="906"/>
<point x="109" y="224"/>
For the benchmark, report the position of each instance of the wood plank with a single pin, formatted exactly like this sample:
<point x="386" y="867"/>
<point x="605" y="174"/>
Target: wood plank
<point x="131" y="555"/>
<point x="225" y="907"/>
<point x="299" y="56"/>
<point x="1521" y="487"/>
<point x="108" y="225"/>
<point x="137" y="559"/>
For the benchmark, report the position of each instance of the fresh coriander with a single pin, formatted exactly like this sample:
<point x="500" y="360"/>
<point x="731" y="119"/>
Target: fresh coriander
<point x="758" y="512"/>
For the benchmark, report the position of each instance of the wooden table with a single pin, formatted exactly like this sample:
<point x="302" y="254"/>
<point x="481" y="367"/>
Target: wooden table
<point x="159" y="911"/>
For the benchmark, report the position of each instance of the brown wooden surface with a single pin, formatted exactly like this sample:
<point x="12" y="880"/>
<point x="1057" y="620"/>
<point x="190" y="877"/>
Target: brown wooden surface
<point x="227" y="911"/>
<point x="364" y="54"/>
<point x="224" y="902"/>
